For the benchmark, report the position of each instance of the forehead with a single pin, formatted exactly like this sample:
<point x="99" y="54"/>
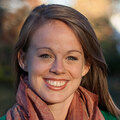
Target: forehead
<point x="49" y="25"/>
<point x="55" y="32"/>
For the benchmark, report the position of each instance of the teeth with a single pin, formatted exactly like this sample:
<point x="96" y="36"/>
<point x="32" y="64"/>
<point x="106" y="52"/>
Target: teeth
<point x="56" y="83"/>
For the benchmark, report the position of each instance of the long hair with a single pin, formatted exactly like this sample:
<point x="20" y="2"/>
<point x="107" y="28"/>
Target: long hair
<point x="95" y="80"/>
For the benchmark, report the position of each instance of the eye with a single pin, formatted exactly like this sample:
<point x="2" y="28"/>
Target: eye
<point x="72" y="58"/>
<point x="45" y="56"/>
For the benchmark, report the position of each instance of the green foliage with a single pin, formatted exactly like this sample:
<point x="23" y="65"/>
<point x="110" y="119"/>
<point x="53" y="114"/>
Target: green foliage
<point x="7" y="97"/>
<point x="6" y="73"/>
<point x="111" y="55"/>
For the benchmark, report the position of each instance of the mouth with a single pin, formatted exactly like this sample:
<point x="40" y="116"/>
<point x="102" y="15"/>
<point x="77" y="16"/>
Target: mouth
<point x="55" y="84"/>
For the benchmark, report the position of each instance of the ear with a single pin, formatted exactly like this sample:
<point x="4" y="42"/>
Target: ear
<point x="86" y="68"/>
<point x="22" y="60"/>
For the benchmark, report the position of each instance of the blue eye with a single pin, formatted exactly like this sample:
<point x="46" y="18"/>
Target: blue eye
<point x="72" y="58"/>
<point x="45" y="56"/>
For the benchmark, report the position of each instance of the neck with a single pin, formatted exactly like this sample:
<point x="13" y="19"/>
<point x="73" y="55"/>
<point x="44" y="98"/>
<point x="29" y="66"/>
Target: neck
<point x="60" y="110"/>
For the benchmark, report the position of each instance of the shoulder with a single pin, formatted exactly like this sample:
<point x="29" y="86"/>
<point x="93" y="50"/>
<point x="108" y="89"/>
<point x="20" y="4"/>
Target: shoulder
<point x="108" y="116"/>
<point x="3" y="117"/>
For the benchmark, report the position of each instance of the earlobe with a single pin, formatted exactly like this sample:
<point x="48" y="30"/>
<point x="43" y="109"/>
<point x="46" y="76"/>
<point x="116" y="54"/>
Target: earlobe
<point x="22" y="60"/>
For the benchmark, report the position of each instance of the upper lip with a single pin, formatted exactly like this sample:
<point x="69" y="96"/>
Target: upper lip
<point x="54" y="79"/>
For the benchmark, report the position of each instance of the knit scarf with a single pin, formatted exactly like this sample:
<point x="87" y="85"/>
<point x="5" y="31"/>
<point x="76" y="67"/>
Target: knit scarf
<point x="29" y="106"/>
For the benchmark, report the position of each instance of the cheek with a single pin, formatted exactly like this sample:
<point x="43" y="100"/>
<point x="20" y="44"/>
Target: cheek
<point x="76" y="71"/>
<point x="36" y="71"/>
<point x="37" y="68"/>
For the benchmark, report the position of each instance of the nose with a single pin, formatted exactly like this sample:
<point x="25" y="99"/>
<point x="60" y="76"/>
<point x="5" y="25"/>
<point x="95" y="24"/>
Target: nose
<point x="57" y="67"/>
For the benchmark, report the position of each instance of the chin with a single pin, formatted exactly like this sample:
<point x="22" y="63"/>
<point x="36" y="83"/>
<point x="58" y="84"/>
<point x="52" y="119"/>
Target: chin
<point x="54" y="99"/>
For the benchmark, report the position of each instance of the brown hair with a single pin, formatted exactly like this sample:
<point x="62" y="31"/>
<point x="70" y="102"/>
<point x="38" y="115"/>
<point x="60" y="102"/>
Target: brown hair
<point x="95" y="81"/>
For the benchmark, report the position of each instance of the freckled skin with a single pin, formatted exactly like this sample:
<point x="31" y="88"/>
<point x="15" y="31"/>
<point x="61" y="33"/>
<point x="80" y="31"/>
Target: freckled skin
<point x="49" y="56"/>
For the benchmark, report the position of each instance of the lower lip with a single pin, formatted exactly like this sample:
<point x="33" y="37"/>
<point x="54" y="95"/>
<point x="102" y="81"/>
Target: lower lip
<point x="56" y="88"/>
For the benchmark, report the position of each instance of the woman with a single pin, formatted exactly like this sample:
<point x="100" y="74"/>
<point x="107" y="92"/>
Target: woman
<point x="60" y="68"/>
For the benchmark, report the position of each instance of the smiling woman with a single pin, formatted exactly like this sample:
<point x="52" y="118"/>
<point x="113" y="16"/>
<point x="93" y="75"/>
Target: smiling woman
<point x="59" y="64"/>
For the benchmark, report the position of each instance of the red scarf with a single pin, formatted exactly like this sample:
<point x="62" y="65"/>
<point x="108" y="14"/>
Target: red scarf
<point x="29" y="106"/>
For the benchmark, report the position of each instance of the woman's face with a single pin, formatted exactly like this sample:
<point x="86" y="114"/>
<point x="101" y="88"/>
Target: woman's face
<point x="55" y="62"/>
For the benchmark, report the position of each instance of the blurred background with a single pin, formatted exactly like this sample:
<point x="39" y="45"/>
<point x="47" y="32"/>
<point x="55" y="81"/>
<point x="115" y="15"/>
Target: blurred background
<point x="104" y="16"/>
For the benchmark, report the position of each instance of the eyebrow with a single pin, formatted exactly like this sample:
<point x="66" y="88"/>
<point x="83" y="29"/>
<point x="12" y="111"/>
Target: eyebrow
<point x="75" y="51"/>
<point x="53" y="51"/>
<point x="44" y="48"/>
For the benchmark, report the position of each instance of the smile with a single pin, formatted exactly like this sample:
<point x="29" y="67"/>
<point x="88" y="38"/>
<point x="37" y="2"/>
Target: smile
<point x="55" y="84"/>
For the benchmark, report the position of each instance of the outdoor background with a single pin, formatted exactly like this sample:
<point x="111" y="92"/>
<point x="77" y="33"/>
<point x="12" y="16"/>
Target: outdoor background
<point x="104" y="16"/>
